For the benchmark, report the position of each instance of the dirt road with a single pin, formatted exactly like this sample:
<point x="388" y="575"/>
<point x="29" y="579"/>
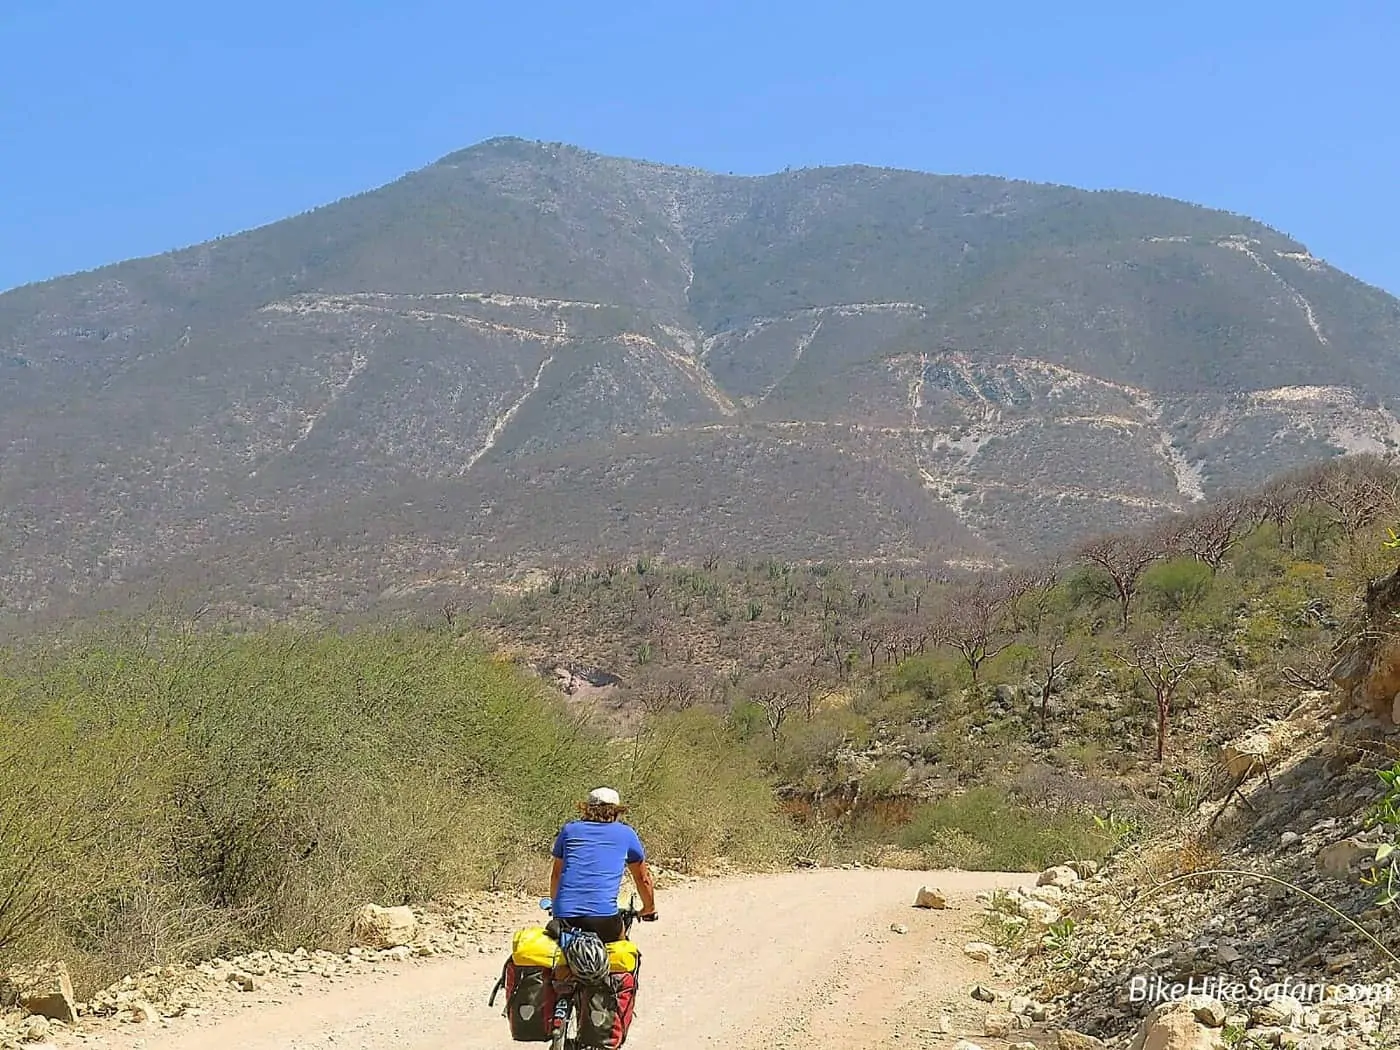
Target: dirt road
<point x="800" y="961"/>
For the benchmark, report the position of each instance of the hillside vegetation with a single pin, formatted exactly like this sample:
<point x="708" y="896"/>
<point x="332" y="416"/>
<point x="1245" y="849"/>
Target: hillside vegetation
<point x="1103" y="684"/>
<point x="175" y="790"/>
<point x="173" y="793"/>
<point x="526" y="352"/>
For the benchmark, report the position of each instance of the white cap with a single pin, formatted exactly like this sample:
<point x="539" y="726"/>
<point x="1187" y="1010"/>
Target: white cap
<point x="606" y="796"/>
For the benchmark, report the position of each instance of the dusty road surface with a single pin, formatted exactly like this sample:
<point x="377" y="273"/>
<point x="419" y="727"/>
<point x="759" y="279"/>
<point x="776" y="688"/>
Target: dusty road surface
<point x="798" y="961"/>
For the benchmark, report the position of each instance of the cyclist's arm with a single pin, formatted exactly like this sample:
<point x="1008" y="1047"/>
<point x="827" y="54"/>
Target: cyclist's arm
<point x="556" y="872"/>
<point x="646" y="885"/>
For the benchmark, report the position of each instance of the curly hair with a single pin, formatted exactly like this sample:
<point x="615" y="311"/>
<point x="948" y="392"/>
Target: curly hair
<point x="600" y="812"/>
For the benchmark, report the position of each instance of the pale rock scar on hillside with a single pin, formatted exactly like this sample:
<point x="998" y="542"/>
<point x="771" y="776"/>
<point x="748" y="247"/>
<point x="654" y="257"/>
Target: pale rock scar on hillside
<point x="503" y="420"/>
<point x="916" y="391"/>
<point x="344" y="304"/>
<point x="1190" y="478"/>
<point x="1333" y="413"/>
<point x="1048" y="382"/>
<point x="801" y="348"/>
<point x="358" y="361"/>
<point x="688" y="365"/>
<point x="1245" y="246"/>
<point x="390" y="303"/>
<point x="484" y="298"/>
<point x="737" y="335"/>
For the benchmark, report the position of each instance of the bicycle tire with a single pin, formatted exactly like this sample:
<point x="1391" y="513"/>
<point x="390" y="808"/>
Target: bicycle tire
<point x="562" y="1040"/>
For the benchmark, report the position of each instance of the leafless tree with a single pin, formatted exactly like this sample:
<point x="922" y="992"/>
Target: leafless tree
<point x="558" y="576"/>
<point x="1058" y="650"/>
<point x="833" y="647"/>
<point x="666" y="689"/>
<point x="1124" y="558"/>
<point x="914" y="635"/>
<point x="1278" y="501"/>
<point x="777" y="696"/>
<point x="874" y="635"/>
<point x="976" y="620"/>
<point x="1163" y="659"/>
<point x="1210" y="534"/>
<point x="1358" y="490"/>
<point x="814" y="683"/>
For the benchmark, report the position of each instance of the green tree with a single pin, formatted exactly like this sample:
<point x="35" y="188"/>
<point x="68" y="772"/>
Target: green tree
<point x="1177" y="586"/>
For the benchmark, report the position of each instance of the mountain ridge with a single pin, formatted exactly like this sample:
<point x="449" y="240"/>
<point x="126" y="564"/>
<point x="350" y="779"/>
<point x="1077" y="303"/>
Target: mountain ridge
<point x="962" y="366"/>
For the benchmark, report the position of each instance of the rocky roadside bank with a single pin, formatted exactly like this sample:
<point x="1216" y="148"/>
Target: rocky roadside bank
<point x="38" y="1008"/>
<point x="161" y="996"/>
<point x="1153" y="954"/>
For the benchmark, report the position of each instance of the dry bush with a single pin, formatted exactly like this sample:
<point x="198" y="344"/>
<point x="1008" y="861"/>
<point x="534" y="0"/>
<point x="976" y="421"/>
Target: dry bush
<point x="169" y="795"/>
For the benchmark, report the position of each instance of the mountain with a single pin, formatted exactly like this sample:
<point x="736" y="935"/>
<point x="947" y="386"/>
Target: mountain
<point x="526" y="352"/>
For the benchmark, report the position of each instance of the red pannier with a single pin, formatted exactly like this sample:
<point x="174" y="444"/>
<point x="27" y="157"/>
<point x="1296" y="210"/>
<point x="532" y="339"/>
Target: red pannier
<point x="605" y="1011"/>
<point x="530" y="1000"/>
<point x="528" y="980"/>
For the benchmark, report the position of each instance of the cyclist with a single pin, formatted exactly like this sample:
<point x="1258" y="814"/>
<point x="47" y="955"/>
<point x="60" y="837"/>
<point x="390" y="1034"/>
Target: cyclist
<point x="590" y="856"/>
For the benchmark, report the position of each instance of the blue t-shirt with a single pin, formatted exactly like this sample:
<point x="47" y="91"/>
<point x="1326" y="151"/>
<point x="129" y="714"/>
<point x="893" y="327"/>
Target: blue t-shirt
<point x="595" y="856"/>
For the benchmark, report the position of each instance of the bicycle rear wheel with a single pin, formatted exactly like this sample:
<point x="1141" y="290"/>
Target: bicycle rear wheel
<point x="566" y="1037"/>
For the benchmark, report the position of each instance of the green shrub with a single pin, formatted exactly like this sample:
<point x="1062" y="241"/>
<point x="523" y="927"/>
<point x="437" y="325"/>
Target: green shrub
<point x="1176" y="586"/>
<point x="699" y="797"/>
<point x="167" y="794"/>
<point x="995" y="833"/>
<point x="930" y="677"/>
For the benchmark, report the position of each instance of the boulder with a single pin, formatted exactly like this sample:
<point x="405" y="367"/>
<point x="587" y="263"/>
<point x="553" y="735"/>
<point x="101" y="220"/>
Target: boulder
<point x="1382" y="681"/>
<point x="376" y="927"/>
<point x="1061" y="876"/>
<point x="1208" y="1011"/>
<point x="1351" y="668"/>
<point x="1246" y="753"/>
<point x="1339" y="858"/>
<point x="1173" y="1026"/>
<point x="928" y="897"/>
<point x="139" y="1011"/>
<point x="244" y="982"/>
<point x="34" y="1029"/>
<point x="1039" y="912"/>
<point x="1069" y="1039"/>
<point x="1000" y="1025"/>
<point x="1283" y="1011"/>
<point x="46" y="991"/>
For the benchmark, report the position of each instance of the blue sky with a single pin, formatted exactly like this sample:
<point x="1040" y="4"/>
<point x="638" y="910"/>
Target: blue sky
<point x="128" y="129"/>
